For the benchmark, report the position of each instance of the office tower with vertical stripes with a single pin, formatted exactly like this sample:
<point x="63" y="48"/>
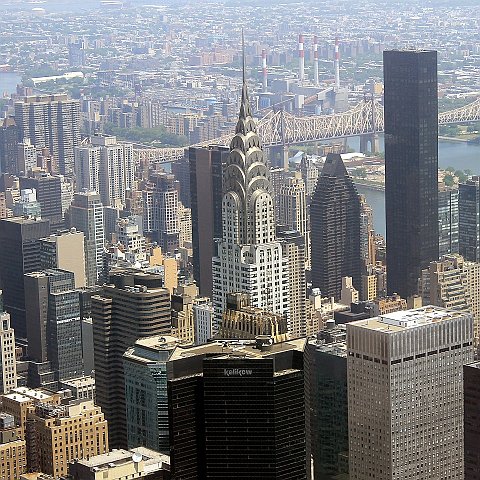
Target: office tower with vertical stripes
<point x="51" y="121"/>
<point x="405" y="394"/>
<point x="411" y="166"/>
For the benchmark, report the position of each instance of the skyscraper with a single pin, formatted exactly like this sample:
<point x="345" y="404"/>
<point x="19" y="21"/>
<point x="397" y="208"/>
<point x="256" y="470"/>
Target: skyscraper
<point x="51" y="121"/>
<point x="8" y="364"/>
<point x="238" y="411"/>
<point x="20" y="254"/>
<point x="335" y="229"/>
<point x="469" y="219"/>
<point x="405" y="394"/>
<point x="107" y="167"/>
<point x="145" y="368"/>
<point x="411" y="166"/>
<point x="367" y="236"/>
<point x="447" y="220"/>
<point x="294" y="248"/>
<point x="249" y="258"/>
<point x="471" y="391"/>
<point x="206" y="202"/>
<point x="133" y="305"/>
<point x="161" y="220"/>
<point x="56" y="252"/>
<point x="452" y="282"/>
<point x="26" y="157"/>
<point x="86" y="215"/>
<point x="49" y="195"/>
<point x="293" y="209"/>
<point x="8" y="146"/>
<point x="329" y="417"/>
<point x="54" y="327"/>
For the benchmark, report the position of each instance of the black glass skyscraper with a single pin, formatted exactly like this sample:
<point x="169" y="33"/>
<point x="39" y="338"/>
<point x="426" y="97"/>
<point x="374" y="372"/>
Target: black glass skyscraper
<point x="411" y="165"/>
<point x="239" y="412"/>
<point x="335" y="229"/>
<point x="206" y="170"/>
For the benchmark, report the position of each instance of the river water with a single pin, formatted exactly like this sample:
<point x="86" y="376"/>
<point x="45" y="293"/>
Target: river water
<point x="460" y="156"/>
<point x="8" y="83"/>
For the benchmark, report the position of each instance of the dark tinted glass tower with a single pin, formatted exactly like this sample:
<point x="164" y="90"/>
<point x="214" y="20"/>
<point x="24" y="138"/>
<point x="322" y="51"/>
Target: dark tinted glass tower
<point x="54" y="328"/>
<point x="206" y="203"/>
<point x="411" y="165"/>
<point x="20" y="254"/>
<point x="335" y="229"/>
<point x="238" y="411"/>
<point x="49" y="195"/>
<point x="469" y="220"/>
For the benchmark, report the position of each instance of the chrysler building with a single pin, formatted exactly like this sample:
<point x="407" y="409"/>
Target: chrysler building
<point x="249" y="257"/>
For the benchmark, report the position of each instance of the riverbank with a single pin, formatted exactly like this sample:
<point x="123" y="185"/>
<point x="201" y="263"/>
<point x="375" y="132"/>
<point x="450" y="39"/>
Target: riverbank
<point x="378" y="187"/>
<point x="453" y="139"/>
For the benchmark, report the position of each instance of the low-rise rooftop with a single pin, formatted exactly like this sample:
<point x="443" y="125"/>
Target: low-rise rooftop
<point x="405" y="319"/>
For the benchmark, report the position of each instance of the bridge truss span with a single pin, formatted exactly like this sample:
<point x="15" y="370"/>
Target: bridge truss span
<point x="467" y="113"/>
<point x="282" y="128"/>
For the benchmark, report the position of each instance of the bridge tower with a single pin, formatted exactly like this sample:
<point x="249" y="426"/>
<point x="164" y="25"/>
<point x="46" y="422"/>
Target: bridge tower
<point x="369" y="142"/>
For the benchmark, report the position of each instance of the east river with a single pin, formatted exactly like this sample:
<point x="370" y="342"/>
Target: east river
<point x="459" y="155"/>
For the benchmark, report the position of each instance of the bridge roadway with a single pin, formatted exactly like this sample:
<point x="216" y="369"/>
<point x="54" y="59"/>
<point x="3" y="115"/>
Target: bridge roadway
<point x="282" y="128"/>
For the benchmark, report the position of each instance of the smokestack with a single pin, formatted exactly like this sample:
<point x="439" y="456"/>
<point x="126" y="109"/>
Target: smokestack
<point x="315" y="60"/>
<point x="264" y="70"/>
<point x="337" y="65"/>
<point x="301" y="59"/>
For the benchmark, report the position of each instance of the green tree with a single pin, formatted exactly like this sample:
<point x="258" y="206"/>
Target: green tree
<point x="461" y="176"/>
<point x="448" y="180"/>
<point x="147" y="135"/>
<point x="360" y="172"/>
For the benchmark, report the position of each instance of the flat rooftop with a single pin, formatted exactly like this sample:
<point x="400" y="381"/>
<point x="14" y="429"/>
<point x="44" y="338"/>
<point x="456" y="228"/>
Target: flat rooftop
<point x="237" y="348"/>
<point x="29" y="392"/>
<point x="407" y="319"/>
<point x="120" y="457"/>
<point x="80" y="381"/>
<point x="159" y="342"/>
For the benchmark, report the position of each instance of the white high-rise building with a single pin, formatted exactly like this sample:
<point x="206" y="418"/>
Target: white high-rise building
<point x="26" y="156"/>
<point x="106" y="167"/>
<point x="249" y="257"/>
<point x="203" y="320"/>
<point x="405" y="394"/>
<point x="8" y="365"/>
<point x="86" y="215"/>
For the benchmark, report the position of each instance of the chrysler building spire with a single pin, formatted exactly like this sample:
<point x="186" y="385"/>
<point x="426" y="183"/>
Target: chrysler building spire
<point x="247" y="207"/>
